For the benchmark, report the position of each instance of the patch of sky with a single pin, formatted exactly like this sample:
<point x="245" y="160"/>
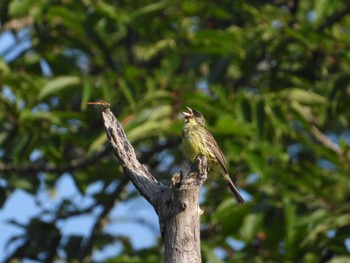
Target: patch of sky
<point x="111" y="250"/>
<point x="235" y="244"/>
<point x="80" y="57"/>
<point x="137" y="220"/>
<point x="332" y="136"/>
<point x="60" y="130"/>
<point x="45" y="68"/>
<point x="174" y="26"/>
<point x="203" y="85"/>
<point x="80" y="225"/>
<point x="74" y="124"/>
<point x="13" y="210"/>
<point x="282" y="248"/>
<point x="202" y="194"/>
<point x="166" y="159"/>
<point x="95" y="188"/>
<point x="54" y="101"/>
<point x="111" y="187"/>
<point x="297" y="125"/>
<point x="66" y="189"/>
<point x="252" y="178"/>
<point x="35" y="155"/>
<point x="325" y="164"/>
<point x="246" y="196"/>
<point x="252" y="90"/>
<point x="40" y="107"/>
<point x="12" y="45"/>
<point x="331" y="233"/>
<point x="347" y="244"/>
<point x="8" y="94"/>
<point x="346" y="136"/>
<point x="294" y="150"/>
<point x="195" y="24"/>
<point x="311" y="16"/>
<point x="42" y="187"/>
<point x="285" y="8"/>
<point x="220" y="253"/>
<point x="276" y="24"/>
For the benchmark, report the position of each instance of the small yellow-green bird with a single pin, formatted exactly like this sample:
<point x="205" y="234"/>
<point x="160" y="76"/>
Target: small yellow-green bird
<point x="197" y="140"/>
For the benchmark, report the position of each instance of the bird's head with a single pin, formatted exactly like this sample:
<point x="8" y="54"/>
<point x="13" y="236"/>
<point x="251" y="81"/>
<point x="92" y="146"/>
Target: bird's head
<point x="194" y="117"/>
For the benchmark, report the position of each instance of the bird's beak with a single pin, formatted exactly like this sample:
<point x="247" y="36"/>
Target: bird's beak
<point x="189" y="113"/>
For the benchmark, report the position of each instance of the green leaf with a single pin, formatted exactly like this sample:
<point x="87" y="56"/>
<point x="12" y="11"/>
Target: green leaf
<point x="325" y="225"/>
<point x="255" y="161"/>
<point x="156" y="48"/>
<point x="217" y="42"/>
<point x="230" y="216"/>
<point x="151" y="8"/>
<point x="72" y="19"/>
<point x="246" y="110"/>
<point x="87" y="89"/>
<point x="28" y="116"/>
<point x="340" y="259"/>
<point x="227" y="125"/>
<point x="97" y="143"/>
<point x="19" y="7"/>
<point x="322" y="7"/>
<point x="4" y="68"/>
<point x="58" y="84"/>
<point x="127" y="93"/>
<point x="291" y="220"/>
<point x="260" y="116"/>
<point x="150" y="122"/>
<point x="251" y="225"/>
<point x="302" y="96"/>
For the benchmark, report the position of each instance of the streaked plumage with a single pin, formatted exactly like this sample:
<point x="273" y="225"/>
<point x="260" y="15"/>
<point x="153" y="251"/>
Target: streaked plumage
<point x="197" y="140"/>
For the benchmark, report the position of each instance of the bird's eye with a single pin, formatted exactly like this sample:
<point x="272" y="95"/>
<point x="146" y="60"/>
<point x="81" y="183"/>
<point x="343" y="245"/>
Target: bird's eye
<point x="196" y="113"/>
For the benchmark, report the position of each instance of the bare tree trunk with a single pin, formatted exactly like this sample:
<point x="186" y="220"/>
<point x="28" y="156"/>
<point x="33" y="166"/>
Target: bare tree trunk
<point x="177" y="205"/>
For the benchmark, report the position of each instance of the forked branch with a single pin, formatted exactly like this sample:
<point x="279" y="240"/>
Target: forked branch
<point x="177" y="205"/>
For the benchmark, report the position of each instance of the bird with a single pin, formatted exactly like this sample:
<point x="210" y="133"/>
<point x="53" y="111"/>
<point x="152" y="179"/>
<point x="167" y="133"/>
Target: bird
<point x="197" y="140"/>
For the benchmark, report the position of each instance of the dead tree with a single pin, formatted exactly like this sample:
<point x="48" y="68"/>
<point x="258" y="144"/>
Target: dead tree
<point x="177" y="205"/>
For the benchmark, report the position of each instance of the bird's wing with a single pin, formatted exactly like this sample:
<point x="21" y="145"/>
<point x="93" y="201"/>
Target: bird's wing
<point x="212" y="144"/>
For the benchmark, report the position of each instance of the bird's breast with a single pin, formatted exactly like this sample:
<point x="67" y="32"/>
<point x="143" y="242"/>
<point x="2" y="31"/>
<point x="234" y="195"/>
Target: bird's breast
<point x="194" y="143"/>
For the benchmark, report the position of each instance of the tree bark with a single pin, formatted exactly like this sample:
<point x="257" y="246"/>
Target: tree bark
<point x="177" y="205"/>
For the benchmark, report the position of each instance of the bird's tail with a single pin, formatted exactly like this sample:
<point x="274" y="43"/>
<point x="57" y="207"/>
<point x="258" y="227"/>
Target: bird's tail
<point x="236" y="194"/>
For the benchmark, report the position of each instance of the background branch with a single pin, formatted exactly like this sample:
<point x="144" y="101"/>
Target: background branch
<point x="47" y="168"/>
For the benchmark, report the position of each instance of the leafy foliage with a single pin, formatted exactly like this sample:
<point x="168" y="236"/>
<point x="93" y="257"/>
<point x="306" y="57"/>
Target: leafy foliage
<point x="271" y="78"/>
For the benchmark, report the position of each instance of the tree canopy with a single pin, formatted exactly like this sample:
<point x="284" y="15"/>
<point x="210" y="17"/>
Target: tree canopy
<point x="271" y="77"/>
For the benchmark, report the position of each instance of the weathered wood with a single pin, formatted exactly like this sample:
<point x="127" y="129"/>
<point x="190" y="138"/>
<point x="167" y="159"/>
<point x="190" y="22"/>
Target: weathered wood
<point x="177" y="206"/>
<point x="146" y="184"/>
<point x="179" y="212"/>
